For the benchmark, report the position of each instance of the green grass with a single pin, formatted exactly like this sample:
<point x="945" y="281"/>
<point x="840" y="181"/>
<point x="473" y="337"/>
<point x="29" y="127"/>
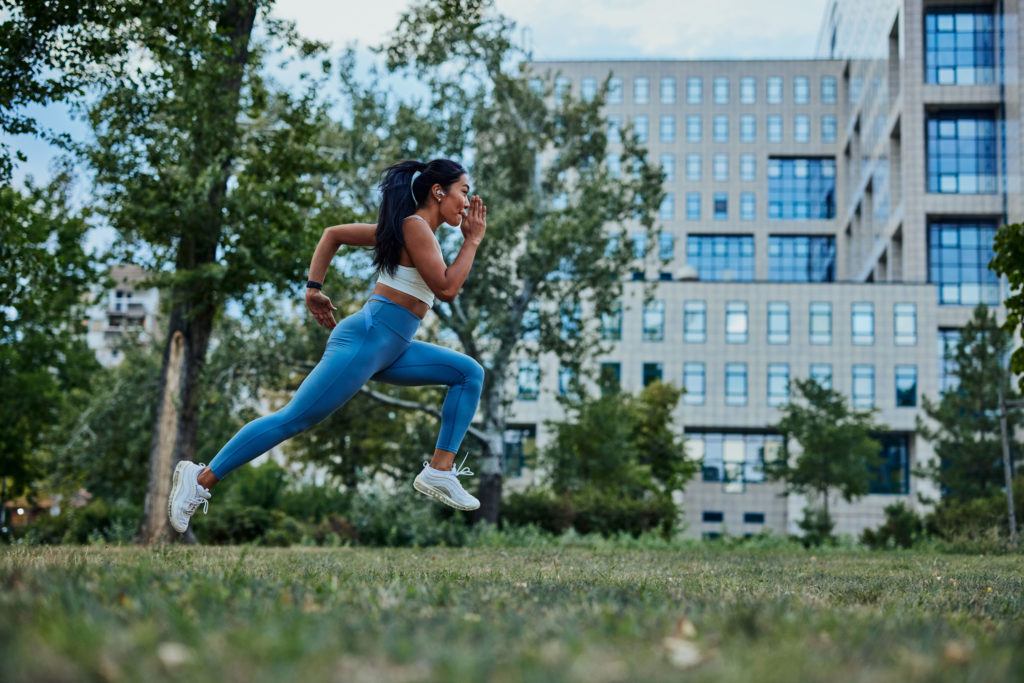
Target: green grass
<point x="517" y="614"/>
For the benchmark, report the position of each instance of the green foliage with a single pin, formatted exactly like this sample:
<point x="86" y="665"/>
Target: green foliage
<point x="964" y="422"/>
<point x="590" y="511"/>
<point x="43" y="357"/>
<point x="817" y="526"/>
<point x="958" y="519"/>
<point x="1009" y="261"/>
<point x="903" y="528"/>
<point x="96" y="522"/>
<point x="617" y="442"/>
<point x="836" y="450"/>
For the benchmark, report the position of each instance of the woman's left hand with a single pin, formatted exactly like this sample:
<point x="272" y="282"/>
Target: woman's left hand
<point x="319" y="304"/>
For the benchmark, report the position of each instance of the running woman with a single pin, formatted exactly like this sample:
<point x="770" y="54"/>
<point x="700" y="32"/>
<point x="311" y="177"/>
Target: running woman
<point x="376" y="342"/>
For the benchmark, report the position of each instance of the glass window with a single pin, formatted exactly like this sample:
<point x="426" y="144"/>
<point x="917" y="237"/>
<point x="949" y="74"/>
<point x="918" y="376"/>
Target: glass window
<point x="641" y="128"/>
<point x="654" y="321"/>
<point x="801" y="128"/>
<point x="801" y="90"/>
<point x="735" y="384"/>
<point x="893" y="474"/>
<point x="748" y="167"/>
<point x="529" y="380"/>
<point x="748" y="128"/>
<point x="615" y="91"/>
<point x="948" y="339"/>
<point x="668" y="90"/>
<point x="962" y="153"/>
<point x="641" y="90"/>
<point x="863" y="386"/>
<point x="828" y="89"/>
<point x="570" y="317"/>
<point x="614" y="162"/>
<point x="693" y="206"/>
<point x="693" y="167"/>
<point x="530" y="326"/>
<point x="906" y="386"/>
<point x="821" y="323"/>
<point x="668" y="166"/>
<point x="588" y="89"/>
<point x="958" y="256"/>
<point x="733" y="458"/>
<point x="822" y="374"/>
<point x="667" y="210"/>
<point x="666" y="246"/>
<point x="562" y="88"/>
<point x="753" y="518"/>
<point x="639" y="243"/>
<point x="695" y="321"/>
<point x="614" y="128"/>
<point x="905" y="324"/>
<point x="778" y="384"/>
<point x="611" y="324"/>
<point x="778" y="322"/>
<point x="712" y="516"/>
<point x="828" y="128"/>
<point x="774" y="130"/>
<point x="721" y="257"/>
<point x="565" y="382"/>
<point x="667" y="128"/>
<point x="652" y="373"/>
<point x="610" y="379"/>
<point x="863" y="323"/>
<point x="694" y="90"/>
<point x="959" y="46"/>
<point x="801" y="258"/>
<point x="748" y="90"/>
<point x="693" y="128"/>
<point x="721" y="90"/>
<point x="693" y="384"/>
<point x="801" y="188"/>
<point x="721" y="128"/>
<point x="747" y="206"/>
<point x="720" y="166"/>
<point x="537" y="86"/>
<point x="736" y="322"/>
<point x="774" y="90"/>
<point x="721" y="206"/>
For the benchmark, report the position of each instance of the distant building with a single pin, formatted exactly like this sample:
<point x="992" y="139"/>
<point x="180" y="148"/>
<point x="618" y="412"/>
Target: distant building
<point x="125" y="314"/>
<point x="839" y="213"/>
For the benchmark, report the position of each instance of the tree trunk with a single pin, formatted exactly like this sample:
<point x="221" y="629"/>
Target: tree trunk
<point x="492" y="469"/>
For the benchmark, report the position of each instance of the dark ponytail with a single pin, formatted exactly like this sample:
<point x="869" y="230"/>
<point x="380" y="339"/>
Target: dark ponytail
<point x="400" y="197"/>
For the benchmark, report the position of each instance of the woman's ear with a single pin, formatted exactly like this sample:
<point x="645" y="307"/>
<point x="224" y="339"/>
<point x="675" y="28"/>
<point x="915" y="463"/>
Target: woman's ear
<point x="437" y="192"/>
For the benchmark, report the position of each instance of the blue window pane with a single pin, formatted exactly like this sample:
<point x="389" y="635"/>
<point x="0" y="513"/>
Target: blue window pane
<point x="721" y="257"/>
<point x="958" y="256"/>
<point x="962" y="153"/>
<point x="801" y="258"/>
<point x="959" y="47"/>
<point x="801" y="188"/>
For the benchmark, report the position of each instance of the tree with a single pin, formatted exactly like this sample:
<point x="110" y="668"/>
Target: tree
<point x="207" y="173"/>
<point x="1009" y="261"/>
<point x="836" y="449"/>
<point x="965" y="421"/>
<point x="49" y="52"/>
<point x="555" y="248"/>
<point x="43" y="356"/>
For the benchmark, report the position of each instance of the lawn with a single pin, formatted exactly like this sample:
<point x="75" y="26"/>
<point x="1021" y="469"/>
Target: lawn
<point x="515" y="614"/>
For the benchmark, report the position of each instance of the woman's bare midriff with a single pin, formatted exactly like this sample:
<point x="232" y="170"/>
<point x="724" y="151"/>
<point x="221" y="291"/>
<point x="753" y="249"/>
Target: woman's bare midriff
<point x="407" y="301"/>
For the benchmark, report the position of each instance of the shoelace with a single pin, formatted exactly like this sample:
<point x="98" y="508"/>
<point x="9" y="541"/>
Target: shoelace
<point x="194" y="502"/>
<point x="460" y="470"/>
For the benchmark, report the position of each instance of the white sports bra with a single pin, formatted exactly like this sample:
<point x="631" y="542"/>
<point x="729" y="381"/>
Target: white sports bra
<point x="408" y="280"/>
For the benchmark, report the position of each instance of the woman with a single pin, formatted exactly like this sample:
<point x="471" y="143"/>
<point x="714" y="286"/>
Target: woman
<point x="376" y="342"/>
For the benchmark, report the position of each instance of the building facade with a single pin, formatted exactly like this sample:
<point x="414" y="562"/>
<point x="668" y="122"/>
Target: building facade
<point x="839" y="213"/>
<point x="125" y="314"/>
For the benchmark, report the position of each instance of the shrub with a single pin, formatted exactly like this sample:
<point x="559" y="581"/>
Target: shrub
<point x="590" y="511"/>
<point x="817" y="527"/>
<point x="902" y="528"/>
<point x="99" y="521"/>
<point x="974" y="519"/>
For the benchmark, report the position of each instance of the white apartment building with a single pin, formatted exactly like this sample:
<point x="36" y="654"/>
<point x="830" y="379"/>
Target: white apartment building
<point x="126" y="313"/>
<point x="839" y="212"/>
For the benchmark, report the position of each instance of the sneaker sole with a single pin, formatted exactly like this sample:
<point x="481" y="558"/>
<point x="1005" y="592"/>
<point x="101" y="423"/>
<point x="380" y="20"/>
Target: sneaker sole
<point x="176" y="483"/>
<point x="440" y="495"/>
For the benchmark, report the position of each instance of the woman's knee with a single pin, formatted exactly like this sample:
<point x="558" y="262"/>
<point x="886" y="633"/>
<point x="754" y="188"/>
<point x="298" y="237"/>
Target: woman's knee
<point x="474" y="373"/>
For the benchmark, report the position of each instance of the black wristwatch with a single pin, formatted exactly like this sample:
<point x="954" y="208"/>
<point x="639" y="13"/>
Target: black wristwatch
<point x="314" y="285"/>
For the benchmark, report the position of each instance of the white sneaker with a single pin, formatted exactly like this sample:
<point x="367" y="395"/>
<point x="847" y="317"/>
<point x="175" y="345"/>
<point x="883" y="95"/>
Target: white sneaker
<point x="445" y="486"/>
<point x="186" y="495"/>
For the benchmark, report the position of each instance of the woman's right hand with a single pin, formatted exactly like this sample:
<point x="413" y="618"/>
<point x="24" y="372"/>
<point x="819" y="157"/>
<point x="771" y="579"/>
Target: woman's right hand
<point x="474" y="225"/>
<point x="319" y="304"/>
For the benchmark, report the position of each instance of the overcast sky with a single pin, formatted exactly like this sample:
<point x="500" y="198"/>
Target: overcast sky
<point x="604" y="29"/>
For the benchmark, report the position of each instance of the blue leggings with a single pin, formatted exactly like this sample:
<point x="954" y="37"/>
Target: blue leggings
<point x="374" y="343"/>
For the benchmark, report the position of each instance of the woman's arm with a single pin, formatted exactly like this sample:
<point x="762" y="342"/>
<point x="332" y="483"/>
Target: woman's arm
<point x="445" y="281"/>
<point x="353" y="234"/>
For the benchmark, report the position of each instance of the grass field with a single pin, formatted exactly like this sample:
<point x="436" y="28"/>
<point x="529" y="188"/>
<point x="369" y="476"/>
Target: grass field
<point x="243" y="614"/>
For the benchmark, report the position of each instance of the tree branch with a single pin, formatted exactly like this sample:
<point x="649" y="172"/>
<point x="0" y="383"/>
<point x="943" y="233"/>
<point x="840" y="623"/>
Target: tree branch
<point x="414" y="405"/>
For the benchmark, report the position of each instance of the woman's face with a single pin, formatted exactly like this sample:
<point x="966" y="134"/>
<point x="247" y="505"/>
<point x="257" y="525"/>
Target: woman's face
<point x="455" y="201"/>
